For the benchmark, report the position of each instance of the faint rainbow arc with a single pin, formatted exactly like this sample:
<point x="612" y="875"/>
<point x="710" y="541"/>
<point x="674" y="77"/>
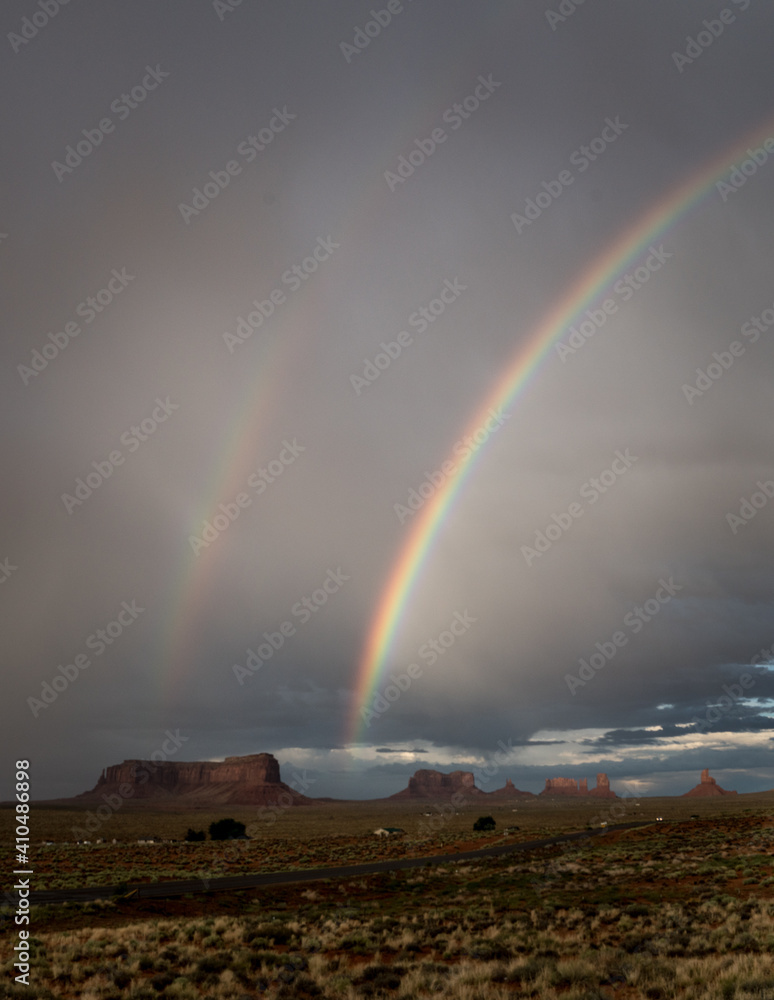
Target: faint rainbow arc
<point x="245" y="433"/>
<point x="604" y="269"/>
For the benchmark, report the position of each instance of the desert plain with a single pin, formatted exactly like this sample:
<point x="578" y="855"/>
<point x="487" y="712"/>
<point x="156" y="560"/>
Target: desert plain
<point x="679" y="906"/>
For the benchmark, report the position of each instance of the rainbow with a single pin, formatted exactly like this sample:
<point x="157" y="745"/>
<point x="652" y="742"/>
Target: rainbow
<point x="273" y="358"/>
<point x="246" y="431"/>
<point x="595" y="279"/>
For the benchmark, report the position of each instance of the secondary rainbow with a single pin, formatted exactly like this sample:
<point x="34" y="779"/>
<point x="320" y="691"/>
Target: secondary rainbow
<point x="245" y="434"/>
<point x="595" y="279"/>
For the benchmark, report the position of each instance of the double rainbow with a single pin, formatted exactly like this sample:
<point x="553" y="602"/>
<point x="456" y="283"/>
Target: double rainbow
<point x="604" y="269"/>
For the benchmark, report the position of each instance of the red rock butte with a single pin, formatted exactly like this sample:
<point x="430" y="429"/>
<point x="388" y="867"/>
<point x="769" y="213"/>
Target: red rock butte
<point x="706" y="788"/>
<point x="249" y="780"/>
<point x="579" y="788"/>
<point x="428" y="784"/>
<point x="509" y="791"/>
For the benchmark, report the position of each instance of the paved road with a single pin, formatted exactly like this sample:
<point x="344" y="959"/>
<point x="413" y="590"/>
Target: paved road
<point x="230" y="883"/>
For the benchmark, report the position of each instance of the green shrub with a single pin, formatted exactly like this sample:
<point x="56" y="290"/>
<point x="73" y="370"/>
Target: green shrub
<point x="302" y="986"/>
<point x="531" y="969"/>
<point x="484" y="823"/>
<point x="226" y="829"/>
<point x="488" y="951"/>
<point x="161" y="981"/>
<point x="388" y="976"/>
<point x="212" y="963"/>
<point x="267" y="958"/>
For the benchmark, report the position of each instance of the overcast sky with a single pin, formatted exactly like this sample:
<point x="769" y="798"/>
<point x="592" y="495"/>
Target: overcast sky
<point x="213" y="216"/>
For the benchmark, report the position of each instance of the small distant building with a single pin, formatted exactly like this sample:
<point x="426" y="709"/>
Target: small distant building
<point x="388" y="831"/>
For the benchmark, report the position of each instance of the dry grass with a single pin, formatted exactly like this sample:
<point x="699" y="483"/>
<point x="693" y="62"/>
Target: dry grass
<point x="664" y="912"/>
<point x="712" y="950"/>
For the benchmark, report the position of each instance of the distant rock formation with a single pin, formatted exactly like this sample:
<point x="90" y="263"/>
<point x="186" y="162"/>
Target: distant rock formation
<point x="563" y="786"/>
<point x="580" y="789"/>
<point x="603" y="789"/>
<point x="426" y="784"/>
<point x="509" y="791"/>
<point x="706" y="788"/>
<point x="249" y="780"/>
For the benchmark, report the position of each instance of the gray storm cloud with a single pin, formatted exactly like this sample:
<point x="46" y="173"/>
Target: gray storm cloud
<point x="206" y="151"/>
